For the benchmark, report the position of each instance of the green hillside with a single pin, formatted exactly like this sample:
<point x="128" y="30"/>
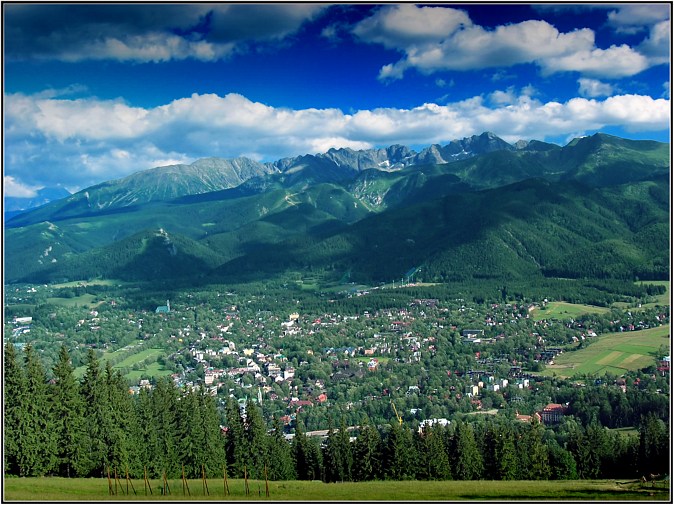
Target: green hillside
<point x="530" y="228"/>
<point x="145" y="256"/>
<point x="510" y="213"/>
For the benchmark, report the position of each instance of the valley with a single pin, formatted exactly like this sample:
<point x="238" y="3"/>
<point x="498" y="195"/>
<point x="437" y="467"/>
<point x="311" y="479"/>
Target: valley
<point x="321" y="292"/>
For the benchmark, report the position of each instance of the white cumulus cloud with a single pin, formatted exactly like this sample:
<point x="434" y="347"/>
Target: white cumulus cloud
<point x="146" y="32"/>
<point x="593" y="88"/>
<point x="634" y="17"/>
<point x="80" y="142"/>
<point x="14" y="188"/>
<point x="453" y="42"/>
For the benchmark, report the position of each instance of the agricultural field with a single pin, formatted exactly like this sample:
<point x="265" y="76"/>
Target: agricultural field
<point x="61" y="489"/>
<point x="565" y="310"/>
<point x="151" y="369"/>
<point x="84" y="283"/>
<point x="613" y="352"/>
<point x="86" y="300"/>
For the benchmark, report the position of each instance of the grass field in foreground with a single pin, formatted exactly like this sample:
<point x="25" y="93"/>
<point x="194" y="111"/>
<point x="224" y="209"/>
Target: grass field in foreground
<point x="59" y="489"/>
<point x="612" y="352"/>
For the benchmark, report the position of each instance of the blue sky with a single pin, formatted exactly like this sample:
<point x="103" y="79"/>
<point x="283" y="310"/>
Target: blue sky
<point x="94" y="92"/>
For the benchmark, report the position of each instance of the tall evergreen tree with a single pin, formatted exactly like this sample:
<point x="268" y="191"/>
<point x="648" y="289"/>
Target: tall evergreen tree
<point x="577" y="445"/>
<point x="69" y="427"/>
<point x="213" y="442"/>
<point x="235" y="440"/>
<point x="467" y="459"/>
<point x="505" y="454"/>
<point x="256" y="441"/>
<point x="433" y="458"/>
<point x="653" y="446"/>
<point x="119" y="423"/>
<point x="337" y="455"/>
<point x="15" y="415"/>
<point x="94" y="398"/>
<point x="38" y="455"/>
<point x="399" y="453"/>
<point x="191" y="434"/>
<point x="147" y="439"/>
<point x="367" y="453"/>
<point x="562" y="464"/>
<point x="537" y="463"/>
<point x="307" y="455"/>
<point x="165" y="408"/>
<point x="281" y="462"/>
<point x="300" y="449"/>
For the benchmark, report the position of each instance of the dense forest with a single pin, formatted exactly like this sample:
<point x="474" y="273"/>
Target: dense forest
<point x="71" y="428"/>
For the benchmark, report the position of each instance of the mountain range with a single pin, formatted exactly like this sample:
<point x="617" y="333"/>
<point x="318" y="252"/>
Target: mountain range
<point x="476" y="207"/>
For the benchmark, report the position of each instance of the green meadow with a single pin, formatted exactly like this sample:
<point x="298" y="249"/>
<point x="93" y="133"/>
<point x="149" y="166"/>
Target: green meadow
<point x="151" y="369"/>
<point x="86" y="300"/>
<point x="663" y="299"/>
<point x="613" y="352"/>
<point x="565" y="310"/>
<point x="72" y="490"/>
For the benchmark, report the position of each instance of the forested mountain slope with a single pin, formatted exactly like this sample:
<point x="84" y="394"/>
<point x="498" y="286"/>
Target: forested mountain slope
<point x="596" y="207"/>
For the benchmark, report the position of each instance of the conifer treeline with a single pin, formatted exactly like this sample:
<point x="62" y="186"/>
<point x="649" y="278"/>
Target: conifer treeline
<point x="76" y="428"/>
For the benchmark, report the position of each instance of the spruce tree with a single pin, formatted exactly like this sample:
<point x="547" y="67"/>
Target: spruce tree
<point x="147" y="439"/>
<point x="235" y="441"/>
<point x="580" y="450"/>
<point x="467" y="459"/>
<point x="281" y="462"/>
<point x="367" y="453"/>
<point x="14" y="408"/>
<point x="539" y="463"/>
<point x="256" y="441"/>
<point x="653" y="445"/>
<point x="165" y="407"/>
<point x="307" y="455"/>
<point x="213" y="443"/>
<point x="38" y="454"/>
<point x="337" y="455"/>
<point x="344" y="453"/>
<point x="434" y="454"/>
<point x="562" y="464"/>
<point x="300" y="450"/>
<point x="399" y="453"/>
<point x="191" y="434"/>
<point x="505" y="454"/>
<point x="69" y="427"/>
<point x="122" y="413"/>
<point x="94" y="398"/>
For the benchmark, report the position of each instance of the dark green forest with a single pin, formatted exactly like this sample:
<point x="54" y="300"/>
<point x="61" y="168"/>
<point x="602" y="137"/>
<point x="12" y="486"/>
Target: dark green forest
<point x="74" y="428"/>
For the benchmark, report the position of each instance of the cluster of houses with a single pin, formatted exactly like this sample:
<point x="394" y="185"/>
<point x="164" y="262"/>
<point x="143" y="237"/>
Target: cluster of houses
<point x="21" y="326"/>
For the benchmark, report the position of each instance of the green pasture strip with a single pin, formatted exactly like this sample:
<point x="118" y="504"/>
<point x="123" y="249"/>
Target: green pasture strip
<point x="61" y="489"/>
<point x="565" y="310"/>
<point x="138" y="357"/>
<point x="86" y="300"/>
<point x="626" y="431"/>
<point x="635" y="348"/>
<point x="366" y="359"/>
<point x="152" y="370"/>
<point x="127" y="362"/>
<point x="26" y="307"/>
<point x="94" y="282"/>
<point x="614" y="352"/>
<point x="663" y="299"/>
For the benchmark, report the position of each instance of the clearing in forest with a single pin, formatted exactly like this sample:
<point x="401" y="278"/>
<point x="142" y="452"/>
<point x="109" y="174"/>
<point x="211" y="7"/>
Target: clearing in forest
<point x="612" y="352"/>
